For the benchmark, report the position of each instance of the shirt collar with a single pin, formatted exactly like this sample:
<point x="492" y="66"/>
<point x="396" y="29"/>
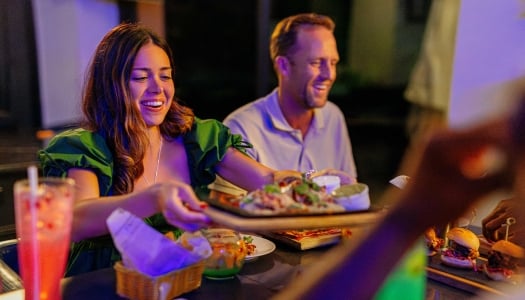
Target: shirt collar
<point x="278" y="120"/>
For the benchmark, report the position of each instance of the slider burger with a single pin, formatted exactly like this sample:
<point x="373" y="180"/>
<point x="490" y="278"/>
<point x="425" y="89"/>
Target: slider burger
<point x="504" y="261"/>
<point x="462" y="250"/>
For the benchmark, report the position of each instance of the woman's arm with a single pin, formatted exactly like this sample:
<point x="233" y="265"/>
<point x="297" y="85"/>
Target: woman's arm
<point x="247" y="173"/>
<point x="175" y="200"/>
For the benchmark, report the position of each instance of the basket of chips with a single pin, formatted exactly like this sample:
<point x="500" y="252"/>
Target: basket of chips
<point x="132" y="284"/>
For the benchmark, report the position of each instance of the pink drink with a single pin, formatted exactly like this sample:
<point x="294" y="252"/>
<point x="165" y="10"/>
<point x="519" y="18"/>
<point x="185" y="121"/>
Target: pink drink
<point x="44" y="234"/>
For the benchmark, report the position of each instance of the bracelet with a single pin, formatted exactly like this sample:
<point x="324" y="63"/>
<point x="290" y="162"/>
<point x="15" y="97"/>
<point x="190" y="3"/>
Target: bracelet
<point x="308" y="174"/>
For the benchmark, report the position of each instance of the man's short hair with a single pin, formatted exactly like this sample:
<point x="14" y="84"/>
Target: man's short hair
<point x="284" y="35"/>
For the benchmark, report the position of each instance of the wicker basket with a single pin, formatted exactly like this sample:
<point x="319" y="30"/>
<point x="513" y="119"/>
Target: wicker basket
<point x="134" y="285"/>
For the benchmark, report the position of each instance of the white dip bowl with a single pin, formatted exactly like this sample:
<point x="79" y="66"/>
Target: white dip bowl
<point x="353" y="197"/>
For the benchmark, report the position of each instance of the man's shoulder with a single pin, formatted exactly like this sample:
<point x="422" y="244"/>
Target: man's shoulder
<point x="332" y="110"/>
<point x="332" y="106"/>
<point x="249" y="112"/>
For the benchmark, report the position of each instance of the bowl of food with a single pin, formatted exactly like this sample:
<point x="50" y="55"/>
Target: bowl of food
<point x="353" y="197"/>
<point x="228" y="253"/>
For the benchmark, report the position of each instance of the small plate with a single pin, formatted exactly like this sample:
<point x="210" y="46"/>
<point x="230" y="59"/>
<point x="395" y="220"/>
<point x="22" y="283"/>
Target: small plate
<point x="262" y="247"/>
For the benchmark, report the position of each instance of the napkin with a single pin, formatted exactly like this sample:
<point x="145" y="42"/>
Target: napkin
<point x="148" y="251"/>
<point x="400" y="181"/>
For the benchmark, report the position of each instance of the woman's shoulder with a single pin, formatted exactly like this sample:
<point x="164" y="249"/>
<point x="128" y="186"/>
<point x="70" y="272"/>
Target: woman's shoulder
<point x="78" y="148"/>
<point x="79" y="141"/>
<point x="205" y="128"/>
<point x="78" y="137"/>
<point x="199" y="123"/>
<point x="78" y="134"/>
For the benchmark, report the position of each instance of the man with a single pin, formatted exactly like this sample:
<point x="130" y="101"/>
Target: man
<point x="295" y="126"/>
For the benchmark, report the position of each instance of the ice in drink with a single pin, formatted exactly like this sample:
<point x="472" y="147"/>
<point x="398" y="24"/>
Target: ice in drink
<point x="43" y="226"/>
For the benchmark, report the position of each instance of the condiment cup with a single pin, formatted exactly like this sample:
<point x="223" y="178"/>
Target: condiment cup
<point x="330" y="182"/>
<point x="353" y="197"/>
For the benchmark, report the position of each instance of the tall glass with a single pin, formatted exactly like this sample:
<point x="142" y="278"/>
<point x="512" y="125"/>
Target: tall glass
<point x="43" y="226"/>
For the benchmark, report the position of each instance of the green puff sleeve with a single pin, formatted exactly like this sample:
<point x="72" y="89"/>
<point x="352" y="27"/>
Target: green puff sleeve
<point x="78" y="148"/>
<point x="206" y="145"/>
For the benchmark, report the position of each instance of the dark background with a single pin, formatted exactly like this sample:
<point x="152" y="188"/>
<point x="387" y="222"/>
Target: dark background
<point x="222" y="62"/>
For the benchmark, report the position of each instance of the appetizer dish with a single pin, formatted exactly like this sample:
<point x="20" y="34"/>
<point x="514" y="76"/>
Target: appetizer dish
<point x="433" y="242"/>
<point x="505" y="262"/>
<point x="250" y="246"/>
<point x="228" y="253"/>
<point x="462" y="250"/>
<point x="257" y="246"/>
<point x="310" y="233"/>
<point x="290" y="196"/>
<point x="309" y="238"/>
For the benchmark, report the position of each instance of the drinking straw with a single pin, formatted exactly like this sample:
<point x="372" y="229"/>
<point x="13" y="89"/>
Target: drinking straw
<point x="32" y="175"/>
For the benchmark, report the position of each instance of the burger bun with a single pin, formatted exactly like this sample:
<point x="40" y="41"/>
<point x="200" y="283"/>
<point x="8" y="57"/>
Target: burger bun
<point x="494" y="275"/>
<point x="508" y="248"/>
<point x="515" y="278"/>
<point x="464" y="237"/>
<point x="464" y="263"/>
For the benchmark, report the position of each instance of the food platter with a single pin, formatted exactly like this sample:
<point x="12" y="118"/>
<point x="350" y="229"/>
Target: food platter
<point x="262" y="247"/>
<point x="471" y="280"/>
<point x="306" y="239"/>
<point x="293" y="197"/>
<point x="228" y="210"/>
<point x="230" y="204"/>
<point x="465" y="279"/>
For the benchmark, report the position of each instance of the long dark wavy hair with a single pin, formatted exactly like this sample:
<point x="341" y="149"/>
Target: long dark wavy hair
<point x="108" y="107"/>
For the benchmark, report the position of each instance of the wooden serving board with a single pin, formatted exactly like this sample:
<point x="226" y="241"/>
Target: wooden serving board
<point x="306" y="242"/>
<point x="269" y="223"/>
<point x="465" y="279"/>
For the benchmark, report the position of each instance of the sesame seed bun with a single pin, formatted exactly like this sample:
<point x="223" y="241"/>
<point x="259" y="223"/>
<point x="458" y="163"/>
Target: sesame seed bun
<point x="464" y="237"/>
<point x="509" y="248"/>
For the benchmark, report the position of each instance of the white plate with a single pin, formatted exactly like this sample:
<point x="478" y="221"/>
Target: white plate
<point x="262" y="247"/>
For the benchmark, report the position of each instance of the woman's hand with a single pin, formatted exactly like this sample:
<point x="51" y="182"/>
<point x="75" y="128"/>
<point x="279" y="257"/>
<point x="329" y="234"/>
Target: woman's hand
<point x="180" y="206"/>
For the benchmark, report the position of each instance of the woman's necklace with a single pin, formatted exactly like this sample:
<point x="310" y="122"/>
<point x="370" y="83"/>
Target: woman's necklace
<point x="156" y="168"/>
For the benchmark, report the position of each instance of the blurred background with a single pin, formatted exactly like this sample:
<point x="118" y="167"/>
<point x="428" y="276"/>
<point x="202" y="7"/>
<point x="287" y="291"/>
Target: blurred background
<point x="222" y="62"/>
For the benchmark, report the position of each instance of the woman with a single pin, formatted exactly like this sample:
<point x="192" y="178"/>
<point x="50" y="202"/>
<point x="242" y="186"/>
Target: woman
<point x="140" y="149"/>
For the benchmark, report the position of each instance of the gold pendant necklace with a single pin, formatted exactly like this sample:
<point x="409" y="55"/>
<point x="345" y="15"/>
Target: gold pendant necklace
<point x="157" y="167"/>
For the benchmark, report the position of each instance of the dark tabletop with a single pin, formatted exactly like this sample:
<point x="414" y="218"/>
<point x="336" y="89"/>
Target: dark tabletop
<point x="259" y="279"/>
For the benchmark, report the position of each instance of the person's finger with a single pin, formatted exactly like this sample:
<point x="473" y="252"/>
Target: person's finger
<point x="187" y="195"/>
<point x="186" y="219"/>
<point x="176" y="212"/>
